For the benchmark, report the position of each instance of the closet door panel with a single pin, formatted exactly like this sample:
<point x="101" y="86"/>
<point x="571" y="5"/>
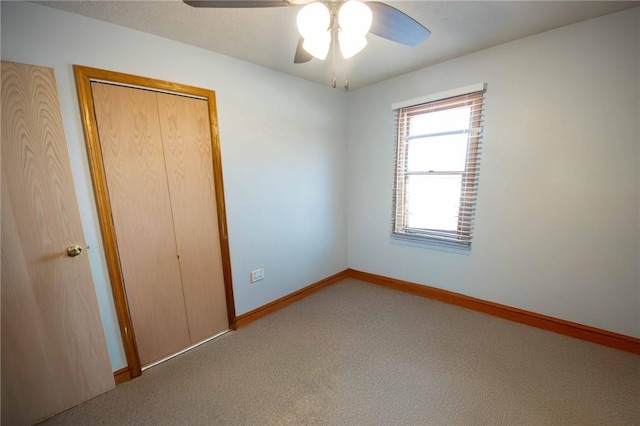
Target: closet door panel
<point x="132" y="152"/>
<point x="187" y="141"/>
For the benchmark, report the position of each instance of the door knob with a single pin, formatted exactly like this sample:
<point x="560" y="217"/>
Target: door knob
<point x="73" y="251"/>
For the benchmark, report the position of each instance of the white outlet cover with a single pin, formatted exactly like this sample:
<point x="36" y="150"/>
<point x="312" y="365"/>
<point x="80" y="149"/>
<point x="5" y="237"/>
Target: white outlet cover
<point x="256" y="275"/>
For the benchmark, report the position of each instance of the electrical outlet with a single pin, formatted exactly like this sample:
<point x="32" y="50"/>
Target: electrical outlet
<point x="256" y="275"/>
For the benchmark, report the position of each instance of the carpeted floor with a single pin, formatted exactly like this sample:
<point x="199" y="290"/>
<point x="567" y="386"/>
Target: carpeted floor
<point x="358" y="354"/>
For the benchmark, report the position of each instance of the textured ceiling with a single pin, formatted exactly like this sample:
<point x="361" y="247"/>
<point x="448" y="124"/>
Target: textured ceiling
<point x="268" y="36"/>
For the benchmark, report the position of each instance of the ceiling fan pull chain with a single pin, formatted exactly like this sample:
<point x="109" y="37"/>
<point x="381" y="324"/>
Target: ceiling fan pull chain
<point x="346" y="78"/>
<point x="333" y="53"/>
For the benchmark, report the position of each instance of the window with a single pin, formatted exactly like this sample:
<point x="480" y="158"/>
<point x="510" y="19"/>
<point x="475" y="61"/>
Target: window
<point x="437" y="161"/>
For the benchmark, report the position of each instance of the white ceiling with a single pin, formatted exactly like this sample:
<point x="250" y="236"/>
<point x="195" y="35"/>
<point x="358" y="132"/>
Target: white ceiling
<point x="268" y="36"/>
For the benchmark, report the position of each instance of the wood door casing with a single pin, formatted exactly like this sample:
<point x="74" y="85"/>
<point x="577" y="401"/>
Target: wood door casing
<point x="54" y="352"/>
<point x="187" y="145"/>
<point x="132" y="151"/>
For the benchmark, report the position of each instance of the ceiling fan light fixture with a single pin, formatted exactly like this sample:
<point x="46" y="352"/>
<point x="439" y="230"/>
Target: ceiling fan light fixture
<point x="351" y="43"/>
<point x="318" y="45"/>
<point x="313" y="20"/>
<point x="355" y="17"/>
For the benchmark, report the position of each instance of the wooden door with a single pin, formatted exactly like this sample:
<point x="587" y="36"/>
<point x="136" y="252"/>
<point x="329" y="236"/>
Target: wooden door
<point x="134" y="166"/>
<point x="186" y="135"/>
<point x="54" y="353"/>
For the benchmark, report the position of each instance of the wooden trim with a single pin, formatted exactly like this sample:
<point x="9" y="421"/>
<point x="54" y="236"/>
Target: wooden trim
<point x="221" y="209"/>
<point x="83" y="76"/>
<point x="85" y="98"/>
<point x="556" y="325"/>
<point x="276" y="305"/>
<point x="122" y="375"/>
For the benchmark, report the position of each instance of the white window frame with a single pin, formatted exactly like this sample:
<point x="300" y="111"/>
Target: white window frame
<point x="472" y="95"/>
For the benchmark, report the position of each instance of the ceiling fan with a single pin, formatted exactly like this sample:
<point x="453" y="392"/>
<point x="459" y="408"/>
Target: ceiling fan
<point x="321" y="22"/>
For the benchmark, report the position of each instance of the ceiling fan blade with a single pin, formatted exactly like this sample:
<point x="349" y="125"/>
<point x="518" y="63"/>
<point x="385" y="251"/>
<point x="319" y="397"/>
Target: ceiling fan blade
<point x="390" y="23"/>
<point x="236" y="3"/>
<point x="302" y="55"/>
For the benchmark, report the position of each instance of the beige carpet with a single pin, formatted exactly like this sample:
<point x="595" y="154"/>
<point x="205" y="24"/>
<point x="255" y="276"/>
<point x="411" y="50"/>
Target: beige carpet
<point x="358" y="354"/>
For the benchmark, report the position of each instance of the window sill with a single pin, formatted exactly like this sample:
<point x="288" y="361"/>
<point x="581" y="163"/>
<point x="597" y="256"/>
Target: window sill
<point x="420" y="241"/>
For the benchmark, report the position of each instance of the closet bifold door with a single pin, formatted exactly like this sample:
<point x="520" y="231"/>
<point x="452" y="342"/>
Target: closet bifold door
<point x="134" y="165"/>
<point x="186" y="136"/>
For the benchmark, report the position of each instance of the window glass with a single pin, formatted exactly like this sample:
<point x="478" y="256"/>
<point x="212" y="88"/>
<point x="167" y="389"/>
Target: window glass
<point x="425" y="191"/>
<point x="439" y="153"/>
<point x="440" y="121"/>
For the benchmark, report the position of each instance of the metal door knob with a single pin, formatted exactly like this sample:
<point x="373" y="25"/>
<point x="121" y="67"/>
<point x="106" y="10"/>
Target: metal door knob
<point x="73" y="251"/>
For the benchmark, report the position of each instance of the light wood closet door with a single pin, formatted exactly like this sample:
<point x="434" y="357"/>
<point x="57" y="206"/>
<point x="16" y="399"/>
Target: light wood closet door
<point x="187" y="144"/>
<point x="54" y="353"/>
<point x="132" y="151"/>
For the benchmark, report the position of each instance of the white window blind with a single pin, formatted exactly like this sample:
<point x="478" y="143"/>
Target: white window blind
<point x="438" y="145"/>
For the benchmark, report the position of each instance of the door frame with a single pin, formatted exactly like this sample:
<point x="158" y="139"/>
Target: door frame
<point x="84" y="76"/>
